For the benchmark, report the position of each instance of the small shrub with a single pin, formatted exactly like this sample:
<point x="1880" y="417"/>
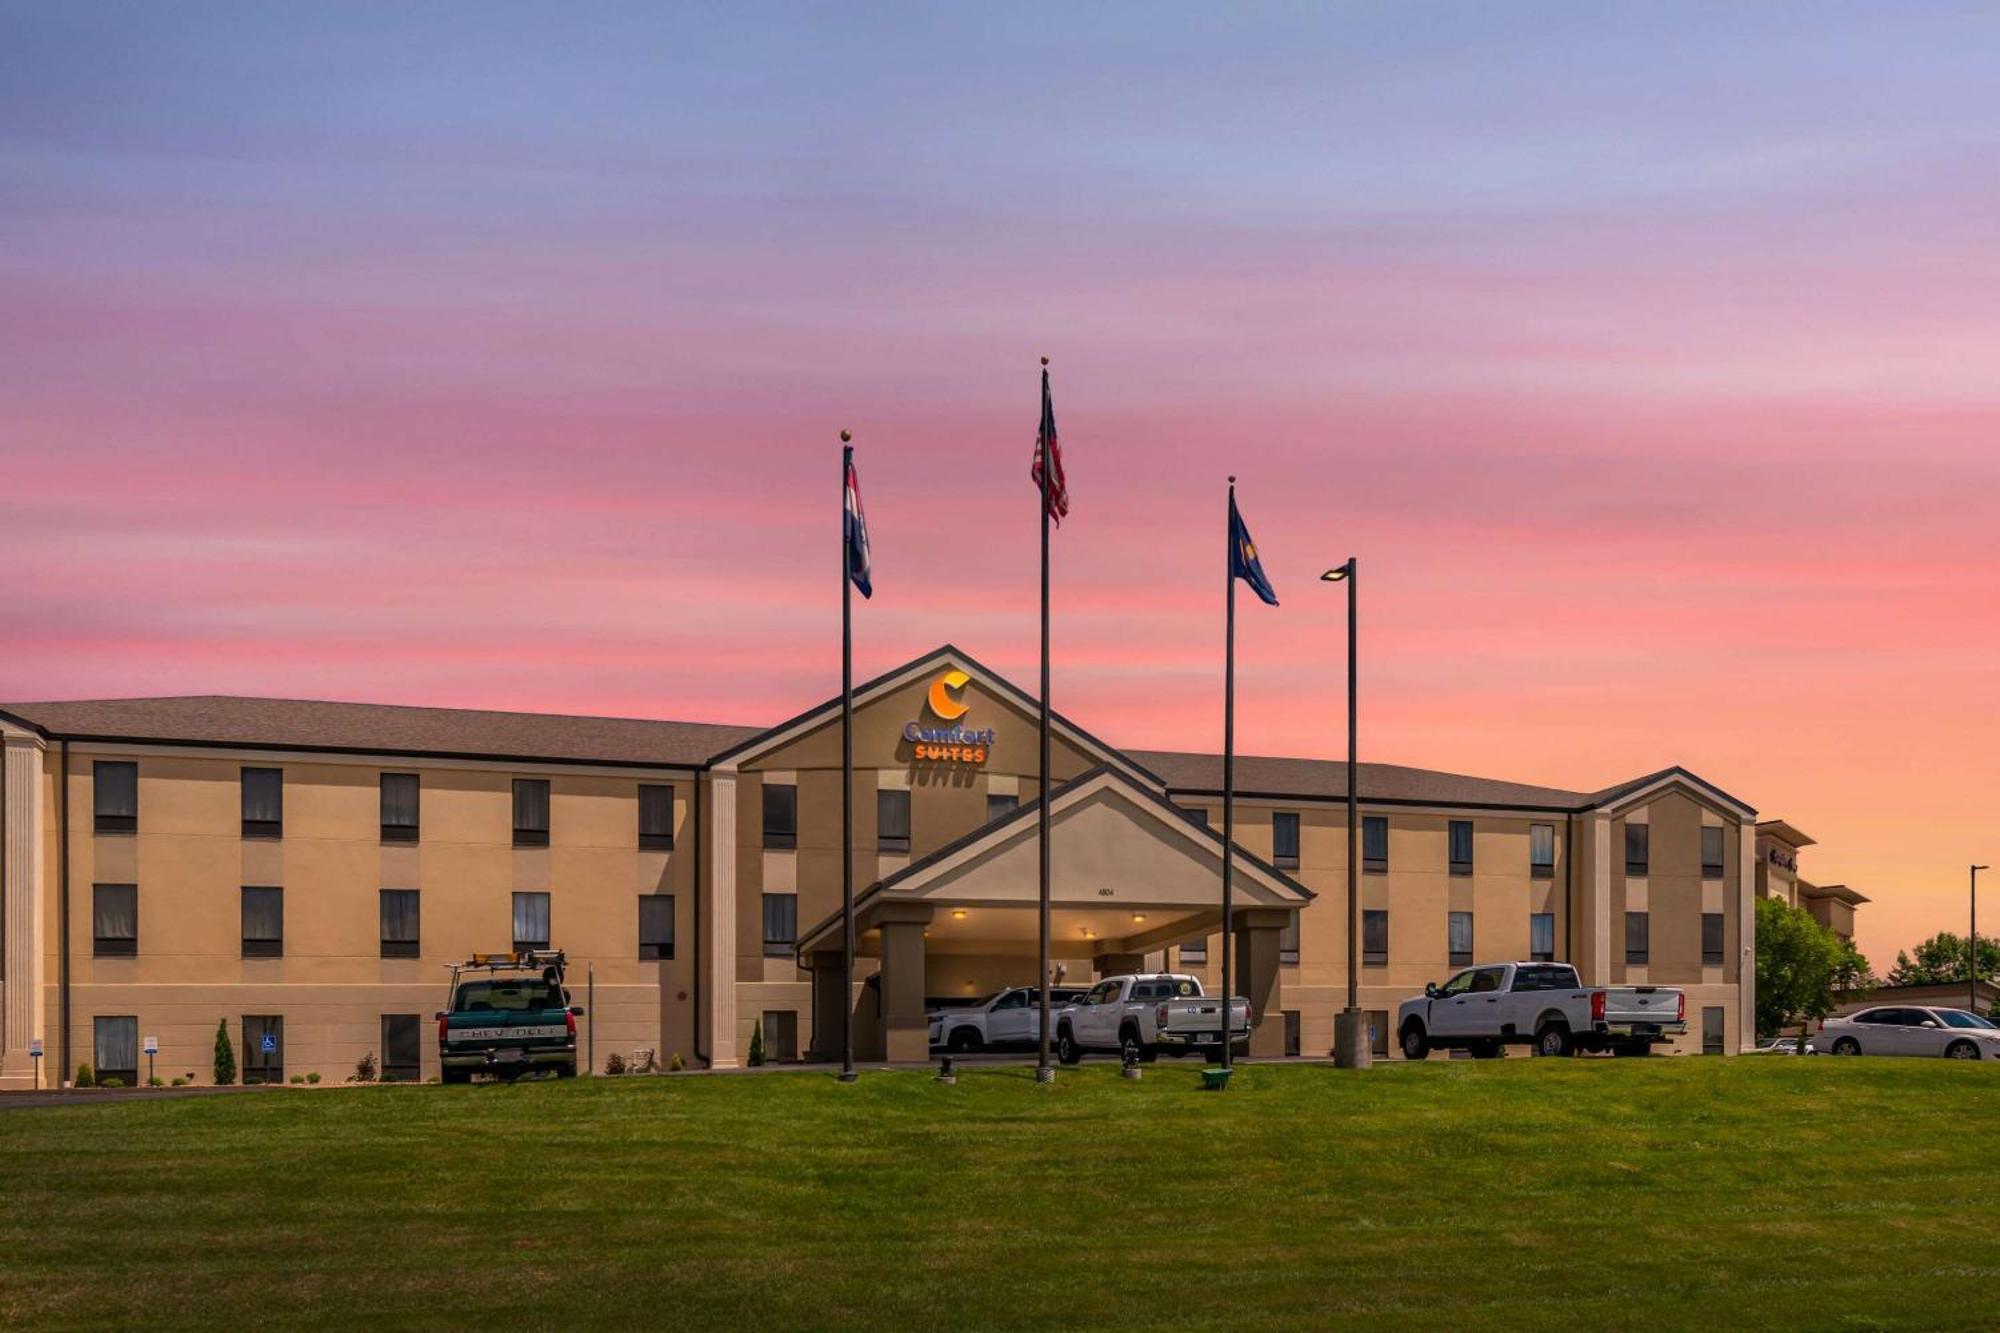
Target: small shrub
<point x="178" y="1082"/>
<point x="296" y="1078"/>
<point x="757" y="1043"/>
<point x="364" y="1069"/>
<point x="155" y="1082"/>
<point x="313" y="1077"/>
<point x="84" y="1078"/>
<point x="225" y="1055"/>
<point x="677" y="1064"/>
<point x="113" y="1082"/>
<point x="614" y="1063"/>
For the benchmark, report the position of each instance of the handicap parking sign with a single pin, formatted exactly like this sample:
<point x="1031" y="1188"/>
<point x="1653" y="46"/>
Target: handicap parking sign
<point x="270" y="1042"/>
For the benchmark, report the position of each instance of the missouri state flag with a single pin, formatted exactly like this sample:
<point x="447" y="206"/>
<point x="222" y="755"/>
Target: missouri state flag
<point x="856" y="522"/>
<point x="1049" y="453"/>
<point x="1243" y="561"/>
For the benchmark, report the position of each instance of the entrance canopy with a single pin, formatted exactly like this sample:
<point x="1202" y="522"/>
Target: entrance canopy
<point x="1129" y="872"/>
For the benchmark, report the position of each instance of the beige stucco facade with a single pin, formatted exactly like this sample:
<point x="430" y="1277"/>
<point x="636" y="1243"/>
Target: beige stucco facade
<point x="948" y="918"/>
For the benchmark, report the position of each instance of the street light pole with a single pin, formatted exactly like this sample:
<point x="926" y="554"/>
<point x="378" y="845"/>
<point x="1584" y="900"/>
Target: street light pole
<point x="1351" y="1047"/>
<point x="1972" y="947"/>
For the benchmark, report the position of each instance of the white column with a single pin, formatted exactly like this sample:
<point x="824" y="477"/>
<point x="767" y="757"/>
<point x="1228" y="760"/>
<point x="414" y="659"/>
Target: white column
<point x="1599" y="831"/>
<point x="718" y="921"/>
<point x="1746" y="953"/>
<point x="21" y="926"/>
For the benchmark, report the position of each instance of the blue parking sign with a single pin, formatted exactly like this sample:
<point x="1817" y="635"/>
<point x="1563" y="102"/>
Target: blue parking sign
<point x="270" y="1042"/>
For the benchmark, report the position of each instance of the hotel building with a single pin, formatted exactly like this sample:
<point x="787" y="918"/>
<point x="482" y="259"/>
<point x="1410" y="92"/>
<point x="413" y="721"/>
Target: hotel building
<point x="304" y="872"/>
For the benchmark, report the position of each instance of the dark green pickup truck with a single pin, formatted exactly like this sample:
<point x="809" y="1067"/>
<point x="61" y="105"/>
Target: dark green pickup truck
<point x="508" y="1015"/>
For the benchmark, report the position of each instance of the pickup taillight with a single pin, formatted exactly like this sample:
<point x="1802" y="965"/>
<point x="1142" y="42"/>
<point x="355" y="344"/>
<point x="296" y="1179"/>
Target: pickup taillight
<point x="444" y="1027"/>
<point x="570" y="1019"/>
<point x="1681" y="1008"/>
<point x="1597" y="1006"/>
<point x="1160" y="1015"/>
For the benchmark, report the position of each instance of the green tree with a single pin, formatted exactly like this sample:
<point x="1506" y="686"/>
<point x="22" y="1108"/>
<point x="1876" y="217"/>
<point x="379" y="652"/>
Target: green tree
<point x="1941" y="959"/>
<point x="757" y="1043"/>
<point x="225" y="1054"/>
<point x="1800" y="966"/>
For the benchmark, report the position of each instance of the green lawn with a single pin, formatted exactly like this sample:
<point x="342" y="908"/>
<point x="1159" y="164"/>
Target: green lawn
<point x="1562" y="1195"/>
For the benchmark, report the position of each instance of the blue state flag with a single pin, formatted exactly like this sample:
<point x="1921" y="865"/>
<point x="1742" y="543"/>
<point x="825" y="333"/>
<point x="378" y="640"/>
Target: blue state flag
<point x="1243" y="561"/>
<point x="859" y="565"/>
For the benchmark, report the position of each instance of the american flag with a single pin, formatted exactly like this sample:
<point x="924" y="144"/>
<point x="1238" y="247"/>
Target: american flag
<point x="1045" y="444"/>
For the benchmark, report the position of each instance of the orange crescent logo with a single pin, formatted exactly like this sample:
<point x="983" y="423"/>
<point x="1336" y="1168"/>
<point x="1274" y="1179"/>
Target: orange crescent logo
<point x="942" y="689"/>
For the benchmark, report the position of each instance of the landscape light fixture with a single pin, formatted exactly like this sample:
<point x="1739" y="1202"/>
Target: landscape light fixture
<point x="1336" y="575"/>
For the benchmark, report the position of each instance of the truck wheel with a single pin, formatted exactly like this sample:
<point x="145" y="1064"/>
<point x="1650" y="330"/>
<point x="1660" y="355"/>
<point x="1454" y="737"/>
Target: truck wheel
<point x="1134" y="1050"/>
<point x="1554" y="1040"/>
<point x="1067" y="1051"/>
<point x="1416" y="1045"/>
<point x="964" y="1041"/>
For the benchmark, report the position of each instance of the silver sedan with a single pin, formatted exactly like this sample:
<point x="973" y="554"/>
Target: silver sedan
<point x="1909" y="1030"/>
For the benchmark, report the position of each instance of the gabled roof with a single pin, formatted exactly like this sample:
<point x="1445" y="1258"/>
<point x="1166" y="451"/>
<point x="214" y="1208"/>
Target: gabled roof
<point x="1625" y="791"/>
<point x="946" y="656"/>
<point x="1251" y="871"/>
<point x="354" y="728"/>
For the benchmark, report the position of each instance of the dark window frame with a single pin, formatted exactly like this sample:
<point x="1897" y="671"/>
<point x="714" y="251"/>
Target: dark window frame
<point x="892" y="844"/>
<point x="548" y="918"/>
<point x="1542" y="869"/>
<point x="100" y="1070"/>
<point x="1000" y="804"/>
<point x="120" y="821"/>
<point x="662" y="949"/>
<point x="1292" y="1022"/>
<point x="401" y="832"/>
<point x="399" y="948"/>
<point x="261" y="827"/>
<point x="775" y="946"/>
<point x="1540" y="955"/>
<point x="1195" y="953"/>
<point x="528" y="834"/>
<point x="1640" y="864"/>
<point x="113" y="946"/>
<point x="1282" y="858"/>
<point x="1288" y="941"/>
<point x="1718" y="923"/>
<point x="1719" y="1043"/>
<point x="1375" y="862"/>
<point x="253" y="1061"/>
<point x="402" y="1070"/>
<point x="1456" y="957"/>
<point x="1642" y="953"/>
<point x="776" y="1052"/>
<point x="1371" y="919"/>
<point x="778" y="837"/>
<point x="655" y="839"/>
<point x="1716" y="868"/>
<point x="1459" y="865"/>
<point x="262" y="946"/>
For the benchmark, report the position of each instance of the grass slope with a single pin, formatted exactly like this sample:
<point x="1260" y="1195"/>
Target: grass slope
<point x="1547" y="1194"/>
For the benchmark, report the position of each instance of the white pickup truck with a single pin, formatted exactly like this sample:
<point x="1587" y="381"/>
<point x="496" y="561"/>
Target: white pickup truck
<point x="1004" y="1020"/>
<point x="1142" y="1015"/>
<point x="1541" y="1004"/>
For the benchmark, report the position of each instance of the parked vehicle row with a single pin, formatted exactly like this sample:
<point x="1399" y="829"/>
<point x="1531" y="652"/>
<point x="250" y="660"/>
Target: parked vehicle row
<point x="1139" y="1015"/>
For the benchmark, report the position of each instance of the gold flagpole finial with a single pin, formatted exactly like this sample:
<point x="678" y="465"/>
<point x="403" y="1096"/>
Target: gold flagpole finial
<point x="845" y="436"/>
<point x="1045" y="361"/>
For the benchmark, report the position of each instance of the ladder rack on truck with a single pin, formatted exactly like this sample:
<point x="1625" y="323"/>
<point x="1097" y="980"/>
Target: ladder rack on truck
<point x="508" y="1014"/>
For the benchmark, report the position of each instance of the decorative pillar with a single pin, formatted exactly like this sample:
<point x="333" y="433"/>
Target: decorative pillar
<point x="1259" y="930"/>
<point x="1746" y="949"/>
<point x="718" y="924"/>
<point x="22" y="929"/>
<point x="905" y="1026"/>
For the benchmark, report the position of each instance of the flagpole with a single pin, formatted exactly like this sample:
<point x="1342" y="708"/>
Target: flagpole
<point x="846" y="770"/>
<point x="1228" y="766"/>
<point x="1044" y="1073"/>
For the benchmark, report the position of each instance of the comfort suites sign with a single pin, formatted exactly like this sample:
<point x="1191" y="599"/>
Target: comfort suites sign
<point x="940" y="737"/>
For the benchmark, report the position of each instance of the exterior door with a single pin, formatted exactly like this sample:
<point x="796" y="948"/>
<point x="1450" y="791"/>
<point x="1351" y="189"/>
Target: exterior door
<point x="1009" y="1019"/>
<point x="1927" y="1034"/>
<point x="1449" y="1013"/>
<point x="1097" y="1018"/>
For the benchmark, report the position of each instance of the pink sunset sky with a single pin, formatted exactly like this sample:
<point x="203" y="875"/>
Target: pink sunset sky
<point x="1648" y="360"/>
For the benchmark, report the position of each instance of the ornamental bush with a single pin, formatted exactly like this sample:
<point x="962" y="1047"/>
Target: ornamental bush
<point x="614" y="1063"/>
<point x="757" y="1043"/>
<point x="225" y="1055"/>
<point x="84" y="1078"/>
